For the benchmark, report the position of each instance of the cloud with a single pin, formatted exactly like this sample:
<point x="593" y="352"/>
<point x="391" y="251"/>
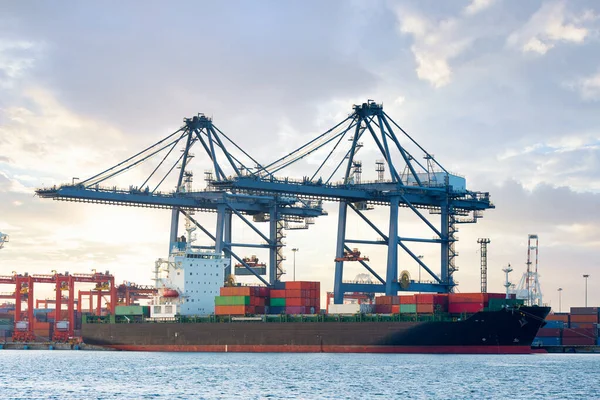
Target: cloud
<point x="477" y="6"/>
<point x="588" y="87"/>
<point x="550" y="25"/>
<point x="435" y="43"/>
<point x="16" y="57"/>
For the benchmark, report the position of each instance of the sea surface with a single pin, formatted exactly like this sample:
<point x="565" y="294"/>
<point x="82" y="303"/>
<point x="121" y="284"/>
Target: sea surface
<point x="37" y="374"/>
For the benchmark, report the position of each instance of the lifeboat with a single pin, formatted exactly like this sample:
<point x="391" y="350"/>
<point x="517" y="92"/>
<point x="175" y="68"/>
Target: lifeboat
<point x="170" y="293"/>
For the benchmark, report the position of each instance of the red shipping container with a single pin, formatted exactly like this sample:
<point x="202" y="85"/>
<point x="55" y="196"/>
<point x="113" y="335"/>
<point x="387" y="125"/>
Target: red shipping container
<point x="237" y="291"/>
<point x="297" y="310"/>
<point x="425" y="308"/>
<point x="410" y="299"/>
<point x="383" y="308"/>
<point x="587" y="325"/>
<point x="294" y="285"/>
<point x="591" y="318"/>
<point x="263" y="291"/>
<point x="585" y="311"/>
<point x="469" y="308"/>
<point x="278" y="294"/>
<point x="581" y="341"/>
<point x="548" y="332"/>
<point x="234" y="310"/>
<point x="467" y="298"/>
<point x="579" y="332"/>
<point x="558" y="317"/>
<point x="294" y="301"/>
<point x="497" y="296"/>
<point x="259" y="310"/>
<point x="396" y="309"/>
<point x="293" y="293"/>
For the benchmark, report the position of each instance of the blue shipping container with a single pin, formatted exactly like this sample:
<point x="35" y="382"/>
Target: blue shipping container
<point x="598" y="342"/>
<point x="546" y="341"/>
<point x="276" y="310"/>
<point x="554" y="324"/>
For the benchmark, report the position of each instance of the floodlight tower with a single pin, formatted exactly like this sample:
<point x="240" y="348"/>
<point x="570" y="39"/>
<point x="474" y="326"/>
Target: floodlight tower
<point x="483" y="242"/>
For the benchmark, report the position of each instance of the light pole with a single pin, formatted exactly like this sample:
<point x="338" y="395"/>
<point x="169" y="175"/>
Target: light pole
<point x="559" y="292"/>
<point x="295" y="249"/>
<point x="586" y="276"/>
<point x="420" y="258"/>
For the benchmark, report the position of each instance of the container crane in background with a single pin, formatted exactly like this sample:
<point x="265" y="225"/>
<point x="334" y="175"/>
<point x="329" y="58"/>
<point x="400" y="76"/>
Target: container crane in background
<point x="529" y="288"/>
<point x="3" y="239"/>
<point x="259" y="191"/>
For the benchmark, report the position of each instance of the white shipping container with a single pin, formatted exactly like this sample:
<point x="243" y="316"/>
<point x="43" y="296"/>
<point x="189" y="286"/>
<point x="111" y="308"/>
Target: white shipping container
<point x="62" y="325"/>
<point x="344" y="308"/>
<point x="21" y="325"/>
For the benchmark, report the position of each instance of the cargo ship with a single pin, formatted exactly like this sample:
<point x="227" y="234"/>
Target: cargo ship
<point x="193" y="311"/>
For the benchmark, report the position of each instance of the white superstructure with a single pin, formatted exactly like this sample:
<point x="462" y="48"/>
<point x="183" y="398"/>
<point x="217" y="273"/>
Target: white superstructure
<point x="188" y="281"/>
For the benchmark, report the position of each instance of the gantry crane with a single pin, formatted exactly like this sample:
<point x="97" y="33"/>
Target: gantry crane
<point x="257" y="191"/>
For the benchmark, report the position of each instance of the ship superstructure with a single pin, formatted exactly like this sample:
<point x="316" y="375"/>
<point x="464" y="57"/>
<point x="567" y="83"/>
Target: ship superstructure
<point x="188" y="280"/>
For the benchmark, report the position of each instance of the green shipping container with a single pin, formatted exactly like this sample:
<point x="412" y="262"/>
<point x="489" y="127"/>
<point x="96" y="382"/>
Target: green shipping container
<point x="232" y="300"/>
<point x="408" y="308"/>
<point x="497" y="304"/>
<point x="277" y="302"/>
<point x="129" y="310"/>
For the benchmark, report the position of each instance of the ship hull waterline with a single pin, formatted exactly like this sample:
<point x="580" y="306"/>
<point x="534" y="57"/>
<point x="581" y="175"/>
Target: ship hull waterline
<point x="486" y="332"/>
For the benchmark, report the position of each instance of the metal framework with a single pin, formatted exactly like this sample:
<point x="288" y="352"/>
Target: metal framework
<point x="483" y="242"/>
<point x="529" y="287"/>
<point x="257" y="190"/>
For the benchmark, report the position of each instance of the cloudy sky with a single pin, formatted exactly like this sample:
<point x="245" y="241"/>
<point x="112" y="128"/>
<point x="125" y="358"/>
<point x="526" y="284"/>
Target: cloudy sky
<point x="505" y="93"/>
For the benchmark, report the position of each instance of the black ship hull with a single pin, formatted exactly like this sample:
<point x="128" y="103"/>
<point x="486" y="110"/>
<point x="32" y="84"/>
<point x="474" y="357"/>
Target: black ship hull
<point x="504" y="331"/>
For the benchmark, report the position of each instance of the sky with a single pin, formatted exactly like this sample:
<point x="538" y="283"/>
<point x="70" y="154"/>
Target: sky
<point x="504" y="93"/>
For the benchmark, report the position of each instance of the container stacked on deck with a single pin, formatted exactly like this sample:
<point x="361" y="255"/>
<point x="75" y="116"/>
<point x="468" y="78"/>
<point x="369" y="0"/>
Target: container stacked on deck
<point x="428" y="303"/>
<point x="470" y="303"/>
<point x="241" y="300"/>
<point x="302" y="297"/>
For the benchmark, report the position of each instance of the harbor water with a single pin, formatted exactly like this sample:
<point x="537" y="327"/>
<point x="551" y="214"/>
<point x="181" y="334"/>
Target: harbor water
<point x="39" y="374"/>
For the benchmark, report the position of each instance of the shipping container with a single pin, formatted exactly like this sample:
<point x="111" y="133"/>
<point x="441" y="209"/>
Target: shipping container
<point x="293" y="293"/>
<point x="549" y="332"/>
<point x="395" y="308"/>
<point x="408" y="308"/>
<point x="234" y="310"/>
<point x="277" y="309"/>
<point x="546" y="341"/>
<point x="383" y="308"/>
<point x="407" y="299"/>
<point x="584" y="311"/>
<point x="580" y="341"/>
<point x="344" y="308"/>
<point x="588" y="325"/>
<point x="564" y="317"/>
<point x="299" y="310"/>
<point x="495" y="304"/>
<point x="554" y="324"/>
<point x="468" y="308"/>
<point x="238" y="291"/>
<point x="425" y="308"/>
<point x="579" y="332"/>
<point x="129" y="310"/>
<point x="277" y="302"/>
<point x="232" y="300"/>
<point x="295" y="302"/>
<point x="589" y="318"/>
<point x="278" y="293"/>
<point x="431" y="298"/>
<point x="467" y="298"/>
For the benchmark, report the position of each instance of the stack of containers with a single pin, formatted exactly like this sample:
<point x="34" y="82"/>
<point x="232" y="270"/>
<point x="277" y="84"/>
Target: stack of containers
<point x="408" y="305"/>
<point x="430" y="303"/>
<point x="302" y="297"/>
<point x="277" y="301"/>
<point x="241" y="300"/>
<point x="459" y="303"/>
<point x="6" y="326"/>
<point x="583" y="327"/>
<point x="386" y="304"/>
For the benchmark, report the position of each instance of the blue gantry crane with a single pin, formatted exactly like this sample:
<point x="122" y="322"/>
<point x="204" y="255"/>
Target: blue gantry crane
<point x="264" y="193"/>
<point x="250" y="208"/>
